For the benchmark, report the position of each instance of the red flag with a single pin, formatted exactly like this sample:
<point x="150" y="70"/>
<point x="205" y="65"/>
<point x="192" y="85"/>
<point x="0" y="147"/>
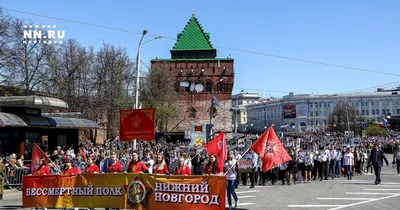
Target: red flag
<point x="37" y="154"/>
<point x="218" y="147"/>
<point x="137" y="124"/>
<point x="270" y="150"/>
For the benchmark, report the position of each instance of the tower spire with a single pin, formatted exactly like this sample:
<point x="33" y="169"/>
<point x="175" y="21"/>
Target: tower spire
<point x="193" y="14"/>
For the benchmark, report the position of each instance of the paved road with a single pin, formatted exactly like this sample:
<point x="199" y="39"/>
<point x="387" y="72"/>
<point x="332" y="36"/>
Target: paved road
<point x="357" y="194"/>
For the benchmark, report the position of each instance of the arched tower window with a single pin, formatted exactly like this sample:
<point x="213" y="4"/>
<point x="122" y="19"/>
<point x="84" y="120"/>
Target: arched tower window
<point x="220" y="86"/>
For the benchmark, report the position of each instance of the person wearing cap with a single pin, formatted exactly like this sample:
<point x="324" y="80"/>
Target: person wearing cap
<point x="376" y="159"/>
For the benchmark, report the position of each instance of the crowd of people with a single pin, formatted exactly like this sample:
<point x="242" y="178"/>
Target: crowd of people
<point x="319" y="161"/>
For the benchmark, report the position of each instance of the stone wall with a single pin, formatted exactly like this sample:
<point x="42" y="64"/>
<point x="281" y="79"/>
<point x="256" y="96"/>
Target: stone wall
<point x="222" y="120"/>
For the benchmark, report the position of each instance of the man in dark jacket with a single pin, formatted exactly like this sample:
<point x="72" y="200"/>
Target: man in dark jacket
<point x="197" y="163"/>
<point x="376" y="158"/>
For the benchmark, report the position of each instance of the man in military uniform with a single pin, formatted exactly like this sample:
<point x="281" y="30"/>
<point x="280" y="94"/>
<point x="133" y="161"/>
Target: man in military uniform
<point x="2" y="176"/>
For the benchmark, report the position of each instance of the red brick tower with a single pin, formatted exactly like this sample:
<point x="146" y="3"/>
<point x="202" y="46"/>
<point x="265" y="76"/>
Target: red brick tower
<point x="198" y="73"/>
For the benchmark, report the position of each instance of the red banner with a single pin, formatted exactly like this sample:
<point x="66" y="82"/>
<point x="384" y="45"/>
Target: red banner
<point x="137" y="124"/>
<point x="125" y="191"/>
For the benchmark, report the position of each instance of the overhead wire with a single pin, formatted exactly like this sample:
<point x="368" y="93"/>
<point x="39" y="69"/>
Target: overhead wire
<point x="373" y="87"/>
<point x="229" y="48"/>
<point x="223" y="47"/>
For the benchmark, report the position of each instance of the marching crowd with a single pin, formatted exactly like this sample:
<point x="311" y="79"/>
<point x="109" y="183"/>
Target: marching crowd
<point x="321" y="162"/>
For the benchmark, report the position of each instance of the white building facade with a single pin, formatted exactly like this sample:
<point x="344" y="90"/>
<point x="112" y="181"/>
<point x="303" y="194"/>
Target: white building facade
<point x="239" y="103"/>
<point x="310" y="112"/>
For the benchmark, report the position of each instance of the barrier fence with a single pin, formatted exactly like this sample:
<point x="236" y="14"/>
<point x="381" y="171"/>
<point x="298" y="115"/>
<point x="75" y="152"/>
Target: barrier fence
<point x="14" y="176"/>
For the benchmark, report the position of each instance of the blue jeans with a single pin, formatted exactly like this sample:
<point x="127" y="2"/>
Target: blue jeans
<point x="349" y="170"/>
<point x="230" y="190"/>
<point x="338" y="168"/>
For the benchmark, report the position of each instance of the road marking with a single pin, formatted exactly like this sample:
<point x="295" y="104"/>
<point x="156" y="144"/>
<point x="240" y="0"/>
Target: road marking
<point x="350" y="199"/>
<point x="384" y="189"/>
<point x="368" y="193"/>
<point x="362" y="202"/>
<point x="312" y="206"/>
<point x="246" y="196"/>
<point x="250" y="191"/>
<point x="242" y="204"/>
<point x="386" y="184"/>
<point x="389" y="185"/>
<point x="366" y="182"/>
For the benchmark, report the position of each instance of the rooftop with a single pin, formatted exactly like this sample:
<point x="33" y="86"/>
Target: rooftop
<point x="193" y="37"/>
<point x="33" y="101"/>
<point x="246" y="95"/>
<point x="292" y="96"/>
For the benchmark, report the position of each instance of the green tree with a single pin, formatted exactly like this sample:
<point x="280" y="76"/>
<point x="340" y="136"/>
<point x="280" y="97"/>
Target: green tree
<point x="374" y="130"/>
<point x="157" y="91"/>
<point x="343" y="117"/>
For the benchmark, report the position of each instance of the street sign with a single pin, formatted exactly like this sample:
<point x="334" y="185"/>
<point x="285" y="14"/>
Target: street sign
<point x="364" y="126"/>
<point x="385" y="123"/>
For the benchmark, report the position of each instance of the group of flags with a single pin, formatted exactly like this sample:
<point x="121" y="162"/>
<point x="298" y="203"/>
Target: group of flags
<point x="268" y="146"/>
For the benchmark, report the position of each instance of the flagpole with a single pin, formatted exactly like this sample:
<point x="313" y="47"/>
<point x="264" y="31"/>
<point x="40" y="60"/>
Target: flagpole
<point x="194" y="156"/>
<point x="211" y="116"/>
<point x="236" y="161"/>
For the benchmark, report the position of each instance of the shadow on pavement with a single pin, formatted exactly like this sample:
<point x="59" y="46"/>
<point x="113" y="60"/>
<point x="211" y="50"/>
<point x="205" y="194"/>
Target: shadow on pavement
<point x="10" y="207"/>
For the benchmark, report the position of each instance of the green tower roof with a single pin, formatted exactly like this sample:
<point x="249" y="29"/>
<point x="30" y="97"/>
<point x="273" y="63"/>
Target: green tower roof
<point x="193" y="37"/>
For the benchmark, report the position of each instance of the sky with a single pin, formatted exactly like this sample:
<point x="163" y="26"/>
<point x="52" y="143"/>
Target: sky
<point x="359" y="34"/>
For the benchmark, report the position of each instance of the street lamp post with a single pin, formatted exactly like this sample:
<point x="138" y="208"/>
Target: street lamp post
<point x="136" y="106"/>
<point x="138" y="70"/>
<point x="138" y="66"/>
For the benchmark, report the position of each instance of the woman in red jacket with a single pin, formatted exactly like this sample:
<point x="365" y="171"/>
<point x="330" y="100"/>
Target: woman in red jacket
<point x="160" y="167"/>
<point x="212" y="167"/>
<point x="69" y="169"/>
<point x="182" y="168"/>
<point x="92" y="168"/>
<point x="43" y="169"/>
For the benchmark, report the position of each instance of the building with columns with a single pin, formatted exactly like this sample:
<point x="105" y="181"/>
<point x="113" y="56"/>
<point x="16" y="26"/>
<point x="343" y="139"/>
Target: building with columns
<point x="198" y="73"/>
<point x="304" y="112"/>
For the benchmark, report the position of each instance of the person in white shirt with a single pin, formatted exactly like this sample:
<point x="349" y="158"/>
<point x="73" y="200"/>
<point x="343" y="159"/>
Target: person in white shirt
<point x="338" y="169"/>
<point x="308" y="164"/>
<point x="254" y="164"/>
<point x="148" y="161"/>
<point x="230" y="169"/>
<point x="283" y="173"/>
<point x="317" y="165"/>
<point x="332" y="155"/>
<point x="324" y="165"/>
<point x="349" y="163"/>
